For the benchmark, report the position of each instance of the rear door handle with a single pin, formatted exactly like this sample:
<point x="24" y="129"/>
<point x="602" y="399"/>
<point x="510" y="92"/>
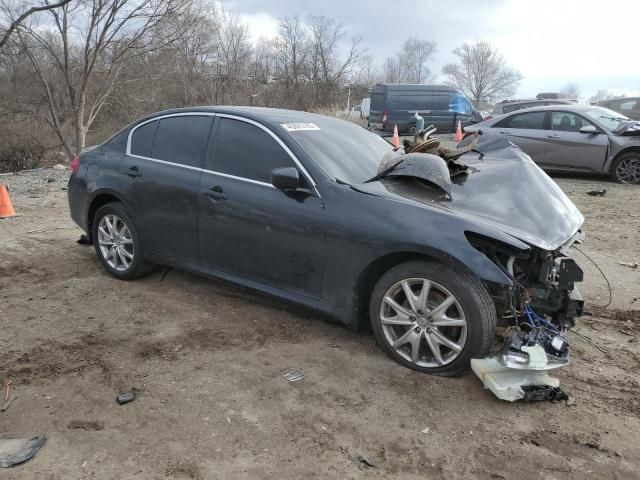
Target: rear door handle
<point x="553" y="136"/>
<point x="132" y="171"/>
<point x="216" y="193"/>
<point x="505" y="133"/>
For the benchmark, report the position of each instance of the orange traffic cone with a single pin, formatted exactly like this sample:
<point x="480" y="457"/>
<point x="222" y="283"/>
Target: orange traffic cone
<point x="395" y="141"/>
<point x="6" y="208"/>
<point x="458" y="136"/>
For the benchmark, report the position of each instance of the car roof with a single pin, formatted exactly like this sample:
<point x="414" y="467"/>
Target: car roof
<point x="572" y="107"/>
<point x="413" y="87"/>
<point x="276" y="115"/>
<point x="535" y="100"/>
<point x="618" y="99"/>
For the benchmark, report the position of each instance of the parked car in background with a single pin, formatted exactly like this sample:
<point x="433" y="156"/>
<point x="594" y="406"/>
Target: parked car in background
<point x="365" y="106"/>
<point x="304" y="207"/>
<point x="571" y="137"/>
<point x="440" y="105"/>
<point x="508" y="106"/>
<point x="627" y="106"/>
<point x="354" y="113"/>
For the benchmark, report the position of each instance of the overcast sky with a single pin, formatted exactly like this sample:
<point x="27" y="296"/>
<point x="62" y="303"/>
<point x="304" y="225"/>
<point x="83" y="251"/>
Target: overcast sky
<point x="552" y="42"/>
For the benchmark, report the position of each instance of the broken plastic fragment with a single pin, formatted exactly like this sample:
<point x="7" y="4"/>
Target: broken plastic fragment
<point x="14" y="451"/>
<point x="507" y="383"/>
<point x="292" y="374"/>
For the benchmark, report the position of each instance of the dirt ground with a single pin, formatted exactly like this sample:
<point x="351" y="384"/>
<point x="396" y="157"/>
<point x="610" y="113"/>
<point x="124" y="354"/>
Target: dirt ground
<point x="205" y="358"/>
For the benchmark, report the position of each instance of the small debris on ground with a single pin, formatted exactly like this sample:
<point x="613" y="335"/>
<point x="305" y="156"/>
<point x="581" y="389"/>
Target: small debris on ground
<point x="364" y="460"/>
<point x="83" y="240"/>
<point x="597" y="193"/>
<point x="14" y="451"/>
<point x="86" y="425"/>
<point x="7" y="404"/>
<point x="6" y="389"/>
<point x="426" y="430"/>
<point x="630" y="264"/>
<point x="292" y="374"/>
<point x="126" y="397"/>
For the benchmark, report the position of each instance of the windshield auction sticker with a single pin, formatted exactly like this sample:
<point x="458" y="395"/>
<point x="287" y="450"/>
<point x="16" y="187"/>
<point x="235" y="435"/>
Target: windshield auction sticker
<point x="296" y="127"/>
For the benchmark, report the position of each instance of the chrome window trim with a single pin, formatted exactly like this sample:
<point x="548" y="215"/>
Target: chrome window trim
<point x="213" y="172"/>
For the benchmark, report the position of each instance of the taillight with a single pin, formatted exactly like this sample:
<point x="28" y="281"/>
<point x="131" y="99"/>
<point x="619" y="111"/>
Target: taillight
<point x="384" y="118"/>
<point x="75" y="163"/>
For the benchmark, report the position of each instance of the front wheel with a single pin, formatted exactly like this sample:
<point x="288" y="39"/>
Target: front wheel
<point x="626" y="168"/>
<point x="117" y="242"/>
<point x="432" y="318"/>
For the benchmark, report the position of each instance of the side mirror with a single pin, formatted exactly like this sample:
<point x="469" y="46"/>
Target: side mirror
<point x="285" y="178"/>
<point x="589" y="129"/>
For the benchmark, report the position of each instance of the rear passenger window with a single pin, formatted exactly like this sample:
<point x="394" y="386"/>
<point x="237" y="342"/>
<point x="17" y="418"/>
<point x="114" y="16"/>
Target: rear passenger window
<point x="142" y="139"/>
<point x="182" y="139"/>
<point x="530" y="121"/>
<point x="246" y="151"/>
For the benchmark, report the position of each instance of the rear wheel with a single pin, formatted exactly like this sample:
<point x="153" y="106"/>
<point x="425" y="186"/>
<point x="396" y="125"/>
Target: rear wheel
<point x="117" y="243"/>
<point x="432" y="318"/>
<point x="626" y="168"/>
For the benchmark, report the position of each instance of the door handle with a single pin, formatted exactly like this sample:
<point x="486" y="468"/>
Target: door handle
<point x="132" y="171"/>
<point x="553" y="136"/>
<point x="505" y="133"/>
<point x="216" y="193"/>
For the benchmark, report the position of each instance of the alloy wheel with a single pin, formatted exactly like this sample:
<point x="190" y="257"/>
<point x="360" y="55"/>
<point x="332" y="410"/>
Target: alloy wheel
<point x="628" y="170"/>
<point x="423" y="322"/>
<point x="116" y="243"/>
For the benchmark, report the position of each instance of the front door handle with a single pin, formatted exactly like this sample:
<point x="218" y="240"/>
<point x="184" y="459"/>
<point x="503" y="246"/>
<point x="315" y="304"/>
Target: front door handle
<point x="216" y="193"/>
<point x="553" y="136"/>
<point x="132" y="171"/>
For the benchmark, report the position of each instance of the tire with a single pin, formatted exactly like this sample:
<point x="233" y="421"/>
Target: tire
<point x="626" y="168"/>
<point x="468" y="323"/>
<point x="130" y="262"/>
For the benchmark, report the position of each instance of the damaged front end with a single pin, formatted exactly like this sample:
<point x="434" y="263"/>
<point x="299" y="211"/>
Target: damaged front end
<point x="501" y="187"/>
<point x="540" y="307"/>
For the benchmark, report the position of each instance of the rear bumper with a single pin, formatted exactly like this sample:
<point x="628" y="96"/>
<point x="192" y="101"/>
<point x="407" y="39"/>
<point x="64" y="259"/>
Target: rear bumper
<point x="78" y="202"/>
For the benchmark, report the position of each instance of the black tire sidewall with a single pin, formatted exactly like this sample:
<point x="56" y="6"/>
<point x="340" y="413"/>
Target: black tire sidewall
<point x="470" y="293"/>
<point x="138" y="266"/>
<point x="614" y="166"/>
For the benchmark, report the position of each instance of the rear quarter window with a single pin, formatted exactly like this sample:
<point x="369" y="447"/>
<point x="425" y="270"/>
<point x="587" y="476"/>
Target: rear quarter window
<point x="117" y="143"/>
<point x="142" y="139"/>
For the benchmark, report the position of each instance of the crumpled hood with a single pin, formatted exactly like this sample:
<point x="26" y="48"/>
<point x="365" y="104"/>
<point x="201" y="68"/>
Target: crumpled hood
<point x="504" y="189"/>
<point x="628" y="129"/>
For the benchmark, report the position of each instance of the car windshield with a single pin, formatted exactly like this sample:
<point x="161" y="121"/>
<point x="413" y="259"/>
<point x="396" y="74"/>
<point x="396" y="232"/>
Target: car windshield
<point x="607" y="118"/>
<point x="343" y="150"/>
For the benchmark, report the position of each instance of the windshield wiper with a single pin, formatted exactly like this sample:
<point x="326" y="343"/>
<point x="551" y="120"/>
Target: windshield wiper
<point x="385" y="171"/>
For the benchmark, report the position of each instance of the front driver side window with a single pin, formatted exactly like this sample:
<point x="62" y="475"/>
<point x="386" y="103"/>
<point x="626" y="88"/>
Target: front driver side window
<point x="567" y="122"/>
<point x="246" y="151"/>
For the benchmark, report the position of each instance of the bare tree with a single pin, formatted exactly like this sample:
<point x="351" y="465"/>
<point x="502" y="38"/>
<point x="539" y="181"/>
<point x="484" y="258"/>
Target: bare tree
<point x="15" y="23"/>
<point x="83" y="57"/>
<point x="602" y="94"/>
<point x="392" y="71"/>
<point x="481" y="73"/>
<point x="413" y="59"/>
<point x="570" y="90"/>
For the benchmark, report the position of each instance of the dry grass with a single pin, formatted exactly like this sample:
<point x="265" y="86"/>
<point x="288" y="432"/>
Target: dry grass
<point x="338" y="112"/>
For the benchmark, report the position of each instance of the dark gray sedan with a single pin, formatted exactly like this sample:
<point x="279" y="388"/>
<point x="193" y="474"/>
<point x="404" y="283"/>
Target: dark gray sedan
<point x="296" y="205"/>
<point x="572" y="137"/>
